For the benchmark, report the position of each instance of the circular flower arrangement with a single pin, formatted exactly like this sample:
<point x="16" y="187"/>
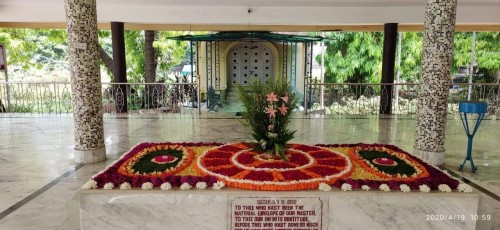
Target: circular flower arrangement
<point x="381" y="161"/>
<point x="307" y="167"/>
<point x="157" y="161"/>
<point x="384" y="161"/>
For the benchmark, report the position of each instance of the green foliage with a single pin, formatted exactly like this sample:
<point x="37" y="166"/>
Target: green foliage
<point x="170" y="52"/>
<point x="353" y="57"/>
<point x="35" y="48"/>
<point x="402" y="168"/>
<point x="145" y="165"/>
<point x="270" y="132"/>
<point x="356" y="57"/>
<point x="486" y="54"/>
<point x="411" y="56"/>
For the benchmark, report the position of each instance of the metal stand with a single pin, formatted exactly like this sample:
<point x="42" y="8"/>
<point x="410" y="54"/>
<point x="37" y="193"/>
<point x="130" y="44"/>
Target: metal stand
<point x="471" y="107"/>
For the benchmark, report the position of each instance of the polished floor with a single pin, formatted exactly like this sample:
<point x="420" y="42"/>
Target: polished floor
<point x="38" y="176"/>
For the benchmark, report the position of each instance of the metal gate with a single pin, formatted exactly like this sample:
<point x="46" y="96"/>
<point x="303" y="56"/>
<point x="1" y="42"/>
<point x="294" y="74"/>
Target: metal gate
<point x="248" y="62"/>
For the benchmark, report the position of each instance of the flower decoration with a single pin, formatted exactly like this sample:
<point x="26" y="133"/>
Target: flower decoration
<point x="91" y="184"/>
<point x="464" y="188"/>
<point x="219" y="185"/>
<point x="125" y="186"/>
<point x="109" y="186"/>
<point x="166" y="186"/>
<point x="404" y="188"/>
<point x="444" y="188"/>
<point x="147" y="186"/>
<point x="271" y="98"/>
<point x="271" y="111"/>
<point x="239" y="165"/>
<point x="269" y="119"/>
<point x="424" y="188"/>
<point x="384" y="187"/>
<point x="324" y="187"/>
<point x="186" y="186"/>
<point x="365" y="187"/>
<point x="346" y="187"/>
<point x="201" y="185"/>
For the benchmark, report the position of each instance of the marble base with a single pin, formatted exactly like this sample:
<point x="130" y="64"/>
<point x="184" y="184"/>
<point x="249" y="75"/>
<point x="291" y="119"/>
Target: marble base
<point x="432" y="158"/>
<point x="90" y="156"/>
<point x="210" y="209"/>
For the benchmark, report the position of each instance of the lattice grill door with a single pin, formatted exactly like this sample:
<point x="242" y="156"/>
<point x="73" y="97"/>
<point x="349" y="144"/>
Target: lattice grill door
<point x="249" y="62"/>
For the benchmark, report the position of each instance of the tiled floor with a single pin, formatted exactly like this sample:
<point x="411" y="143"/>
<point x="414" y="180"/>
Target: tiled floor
<point x="38" y="176"/>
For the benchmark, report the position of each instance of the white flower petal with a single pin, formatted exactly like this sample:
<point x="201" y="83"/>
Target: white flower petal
<point x="365" y="187"/>
<point x="404" y="188"/>
<point x="125" y="186"/>
<point x="185" y="186"/>
<point x="384" y="187"/>
<point x="219" y="185"/>
<point x="109" y="186"/>
<point x="324" y="187"/>
<point x="464" y="188"/>
<point x="166" y="186"/>
<point x="346" y="187"/>
<point x="147" y="186"/>
<point x="444" y="188"/>
<point x="91" y="184"/>
<point x="424" y="188"/>
<point x="201" y="185"/>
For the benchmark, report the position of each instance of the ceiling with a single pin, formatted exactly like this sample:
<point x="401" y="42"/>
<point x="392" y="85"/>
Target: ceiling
<point x="234" y="14"/>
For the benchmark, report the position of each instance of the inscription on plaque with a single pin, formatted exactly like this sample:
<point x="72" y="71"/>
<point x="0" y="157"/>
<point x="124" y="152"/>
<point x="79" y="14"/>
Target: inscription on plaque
<point x="276" y="213"/>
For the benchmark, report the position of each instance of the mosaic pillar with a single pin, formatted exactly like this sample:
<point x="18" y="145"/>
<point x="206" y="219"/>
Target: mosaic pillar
<point x="85" y="80"/>
<point x="439" y="30"/>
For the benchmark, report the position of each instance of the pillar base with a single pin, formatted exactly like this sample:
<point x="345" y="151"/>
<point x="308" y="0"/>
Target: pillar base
<point x="432" y="158"/>
<point x="90" y="156"/>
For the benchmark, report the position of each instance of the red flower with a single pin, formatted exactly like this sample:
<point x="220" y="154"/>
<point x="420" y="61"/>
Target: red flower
<point x="259" y="176"/>
<point x="229" y="171"/>
<point x="323" y="171"/>
<point x="275" y="165"/>
<point x="295" y="175"/>
<point x="333" y="162"/>
<point x="218" y="154"/>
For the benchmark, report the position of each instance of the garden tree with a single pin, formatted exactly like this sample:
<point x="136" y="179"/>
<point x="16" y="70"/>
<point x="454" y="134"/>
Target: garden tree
<point x="35" y="48"/>
<point x="353" y="57"/>
<point x="147" y="52"/>
<point x="411" y="56"/>
<point x="151" y="63"/>
<point x="486" y="54"/>
<point x="150" y="56"/>
<point x="356" y="57"/>
<point x="105" y="48"/>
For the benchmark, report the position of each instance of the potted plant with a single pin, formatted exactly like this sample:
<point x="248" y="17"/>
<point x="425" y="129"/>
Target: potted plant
<point x="269" y="108"/>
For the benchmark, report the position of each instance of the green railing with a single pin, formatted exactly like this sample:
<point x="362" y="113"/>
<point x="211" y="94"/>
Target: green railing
<point x="55" y="97"/>
<point x="150" y="98"/>
<point x="359" y="98"/>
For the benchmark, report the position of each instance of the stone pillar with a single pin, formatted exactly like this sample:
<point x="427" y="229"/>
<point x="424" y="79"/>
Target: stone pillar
<point x="439" y="30"/>
<point x="389" y="57"/>
<point x="85" y="80"/>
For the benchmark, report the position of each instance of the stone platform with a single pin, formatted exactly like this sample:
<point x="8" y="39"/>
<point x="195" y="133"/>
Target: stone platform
<point x="254" y="210"/>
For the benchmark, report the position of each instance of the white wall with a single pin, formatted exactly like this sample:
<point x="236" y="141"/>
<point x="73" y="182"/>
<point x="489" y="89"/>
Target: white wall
<point x="488" y="12"/>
